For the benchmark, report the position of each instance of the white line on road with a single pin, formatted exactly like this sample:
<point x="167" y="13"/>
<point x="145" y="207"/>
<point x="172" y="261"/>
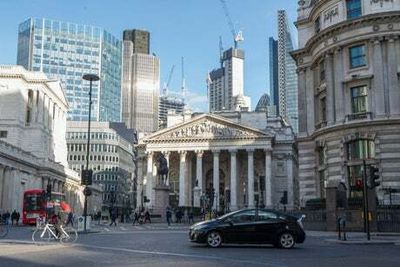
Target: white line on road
<point x="181" y="255"/>
<point x="106" y="229"/>
<point x="123" y="228"/>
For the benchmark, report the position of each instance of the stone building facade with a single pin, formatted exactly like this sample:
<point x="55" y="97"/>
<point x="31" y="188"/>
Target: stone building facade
<point x="349" y="93"/>
<point x="252" y="158"/>
<point x="32" y="139"/>
<point x="111" y="158"/>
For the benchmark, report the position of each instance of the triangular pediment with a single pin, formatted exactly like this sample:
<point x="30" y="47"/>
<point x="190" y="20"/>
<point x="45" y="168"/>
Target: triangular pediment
<point x="206" y="126"/>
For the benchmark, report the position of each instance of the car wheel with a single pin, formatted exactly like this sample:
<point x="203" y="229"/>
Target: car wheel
<point x="286" y="240"/>
<point x="214" y="239"/>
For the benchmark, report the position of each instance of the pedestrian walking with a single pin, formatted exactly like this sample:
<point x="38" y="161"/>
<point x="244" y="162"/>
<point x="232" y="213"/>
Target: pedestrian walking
<point x="13" y="217"/>
<point x="191" y="217"/>
<point x="113" y="218"/>
<point x="6" y="217"/>
<point x="70" y="219"/>
<point x="135" y="217"/>
<point x="168" y="215"/>
<point x="147" y="216"/>
<point x="17" y="217"/>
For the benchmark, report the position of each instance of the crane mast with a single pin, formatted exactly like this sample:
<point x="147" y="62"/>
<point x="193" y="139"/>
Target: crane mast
<point x="237" y="36"/>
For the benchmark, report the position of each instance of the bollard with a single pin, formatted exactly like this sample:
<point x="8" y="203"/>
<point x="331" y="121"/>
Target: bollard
<point x="343" y="221"/>
<point x="339" y="229"/>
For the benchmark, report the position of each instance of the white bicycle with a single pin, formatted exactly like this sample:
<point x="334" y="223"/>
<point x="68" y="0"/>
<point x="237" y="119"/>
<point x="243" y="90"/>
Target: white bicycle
<point x="48" y="232"/>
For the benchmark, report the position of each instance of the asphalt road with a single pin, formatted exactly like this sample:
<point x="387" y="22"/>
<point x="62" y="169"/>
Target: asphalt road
<point x="158" y="246"/>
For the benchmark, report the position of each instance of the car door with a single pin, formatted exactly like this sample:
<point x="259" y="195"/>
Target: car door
<point x="243" y="227"/>
<point x="267" y="226"/>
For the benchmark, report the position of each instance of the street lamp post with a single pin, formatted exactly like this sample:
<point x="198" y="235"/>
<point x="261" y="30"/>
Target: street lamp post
<point x="91" y="78"/>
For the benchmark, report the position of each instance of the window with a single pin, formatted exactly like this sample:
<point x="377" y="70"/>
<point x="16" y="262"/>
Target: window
<point x="244" y="217"/>
<point x="265" y="216"/>
<point x="360" y="149"/>
<point x="3" y="134"/>
<point x="317" y="25"/>
<point x="355" y="176"/>
<point x="322" y="103"/>
<point x="322" y="71"/>
<point x="29" y="107"/>
<point x="353" y="9"/>
<point x="357" y="56"/>
<point x="359" y="97"/>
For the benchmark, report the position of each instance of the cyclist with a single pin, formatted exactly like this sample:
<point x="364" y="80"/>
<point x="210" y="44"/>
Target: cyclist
<point x="56" y="221"/>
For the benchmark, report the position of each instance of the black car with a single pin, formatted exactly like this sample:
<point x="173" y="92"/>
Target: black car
<point x="250" y="226"/>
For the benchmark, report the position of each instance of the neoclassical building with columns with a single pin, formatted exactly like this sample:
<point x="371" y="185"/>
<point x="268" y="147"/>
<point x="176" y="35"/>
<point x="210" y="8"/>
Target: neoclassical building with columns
<point x="250" y="157"/>
<point x="33" y="150"/>
<point x="349" y="94"/>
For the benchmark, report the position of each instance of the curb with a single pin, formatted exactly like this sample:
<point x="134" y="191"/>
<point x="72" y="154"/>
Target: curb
<point x="363" y="242"/>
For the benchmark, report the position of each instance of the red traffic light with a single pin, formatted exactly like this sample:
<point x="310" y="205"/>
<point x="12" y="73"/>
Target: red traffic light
<point x="359" y="184"/>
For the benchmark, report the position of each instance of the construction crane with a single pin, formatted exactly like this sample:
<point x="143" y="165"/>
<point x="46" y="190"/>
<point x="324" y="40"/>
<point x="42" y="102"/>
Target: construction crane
<point x="221" y="51"/>
<point x="166" y="85"/>
<point x="237" y="36"/>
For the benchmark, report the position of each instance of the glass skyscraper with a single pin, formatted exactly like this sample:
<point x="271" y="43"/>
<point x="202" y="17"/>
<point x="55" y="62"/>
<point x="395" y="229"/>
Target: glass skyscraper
<point x="67" y="51"/>
<point x="287" y="76"/>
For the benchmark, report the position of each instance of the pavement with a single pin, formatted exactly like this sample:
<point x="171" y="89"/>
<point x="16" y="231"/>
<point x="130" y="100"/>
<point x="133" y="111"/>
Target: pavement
<point x="156" y="245"/>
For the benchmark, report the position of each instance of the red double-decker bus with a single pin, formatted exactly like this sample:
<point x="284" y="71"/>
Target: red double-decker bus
<point x="36" y="205"/>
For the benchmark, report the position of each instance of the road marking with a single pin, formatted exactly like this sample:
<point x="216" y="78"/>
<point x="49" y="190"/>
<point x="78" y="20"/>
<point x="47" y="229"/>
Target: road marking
<point x="106" y="229"/>
<point x="123" y="228"/>
<point x="159" y="253"/>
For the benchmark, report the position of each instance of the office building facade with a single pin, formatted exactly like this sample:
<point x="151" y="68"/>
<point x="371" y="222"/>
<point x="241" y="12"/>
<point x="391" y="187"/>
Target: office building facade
<point x="227" y="82"/>
<point x="273" y="71"/>
<point x="169" y="104"/>
<point x="67" y="51"/>
<point x="140" y="82"/>
<point x="348" y="64"/>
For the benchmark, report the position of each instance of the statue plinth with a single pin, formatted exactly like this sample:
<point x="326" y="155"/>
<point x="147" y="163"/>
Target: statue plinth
<point x="196" y="196"/>
<point x="161" y="200"/>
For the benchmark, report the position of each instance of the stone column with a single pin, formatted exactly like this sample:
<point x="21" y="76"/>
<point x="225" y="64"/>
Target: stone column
<point x="1" y="185"/>
<point x="268" y="178"/>
<point x="338" y="85"/>
<point x="394" y="92"/>
<point x="216" y="178"/>
<point x="330" y="93"/>
<point x="149" y="176"/>
<point x="12" y="192"/>
<point x="250" y="175"/>
<point x="233" y="196"/>
<point x="378" y="84"/>
<point x="182" y="178"/>
<point x="199" y="170"/>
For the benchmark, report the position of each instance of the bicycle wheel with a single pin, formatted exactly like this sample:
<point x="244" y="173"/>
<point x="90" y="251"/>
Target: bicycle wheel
<point x="40" y="236"/>
<point x="3" y="230"/>
<point x="70" y="235"/>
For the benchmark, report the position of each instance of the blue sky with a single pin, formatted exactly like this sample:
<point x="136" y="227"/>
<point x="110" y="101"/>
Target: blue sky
<point x="188" y="28"/>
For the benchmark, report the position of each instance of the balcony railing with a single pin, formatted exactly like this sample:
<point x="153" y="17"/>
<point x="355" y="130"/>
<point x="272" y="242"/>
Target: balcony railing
<point x="359" y="116"/>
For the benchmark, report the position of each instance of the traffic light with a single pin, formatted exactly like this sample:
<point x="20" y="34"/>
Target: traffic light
<point x="373" y="177"/>
<point x="86" y="177"/>
<point x="359" y="184"/>
<point x="284" y="198"/>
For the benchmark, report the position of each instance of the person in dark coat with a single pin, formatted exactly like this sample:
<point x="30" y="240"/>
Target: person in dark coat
<point x="147" y="216"/>
<point x="168" y="215"/>
<point x="135" y="217"/>
<point x="70" y="219"/>
<point x="13" y="217"/>
<point x="17" y="217"/>
<point x="113" y="217"/>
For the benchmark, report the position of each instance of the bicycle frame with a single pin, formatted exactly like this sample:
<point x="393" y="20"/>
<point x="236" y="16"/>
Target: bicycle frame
<point x="48" y="228"/>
